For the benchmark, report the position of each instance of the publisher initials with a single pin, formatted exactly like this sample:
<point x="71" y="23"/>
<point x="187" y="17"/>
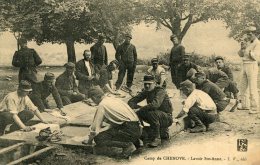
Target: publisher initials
<point x="242" y="145"/>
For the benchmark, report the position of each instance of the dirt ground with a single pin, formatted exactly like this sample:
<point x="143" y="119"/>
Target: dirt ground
<point x="218" y="146"/>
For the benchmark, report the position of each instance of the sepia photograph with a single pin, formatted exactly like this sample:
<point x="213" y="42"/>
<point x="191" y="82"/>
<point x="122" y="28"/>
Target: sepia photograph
<point x="109" y="82"/>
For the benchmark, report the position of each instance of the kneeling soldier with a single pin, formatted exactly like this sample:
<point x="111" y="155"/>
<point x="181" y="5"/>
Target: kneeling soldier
<point x="42" y="90"/>
<point x="123" y="128"/>
<point x="199" y="106"/>
<point x="157" y="112"/>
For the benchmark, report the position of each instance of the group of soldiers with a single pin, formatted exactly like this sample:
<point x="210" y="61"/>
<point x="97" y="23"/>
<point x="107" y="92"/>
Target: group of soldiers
<point x="208" y="92"/>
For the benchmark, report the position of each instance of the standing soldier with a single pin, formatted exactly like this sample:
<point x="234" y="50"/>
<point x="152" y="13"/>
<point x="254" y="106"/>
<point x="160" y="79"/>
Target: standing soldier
<point x="177" y="52"/>
<point x="99" y="53"/>
<point x="127" y="57"/>
<point x="27" y="59"/>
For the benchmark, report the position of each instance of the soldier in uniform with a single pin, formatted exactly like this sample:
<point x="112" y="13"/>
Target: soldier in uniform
<point x="85" y="73"/>
<point x="67" y="87"/>
<point x="42" y="90"/>
<point x="158" y="72"/>
<point x="183" y="69"/>
<point x="232" y="87"/>
<point x="99" y="53"/>
<point x="27" y="60"/>
<point x="105" y="80"/>
<point x="157" y="112"/>
<point x="177" y="52"/>
<point x="127" y="57"/>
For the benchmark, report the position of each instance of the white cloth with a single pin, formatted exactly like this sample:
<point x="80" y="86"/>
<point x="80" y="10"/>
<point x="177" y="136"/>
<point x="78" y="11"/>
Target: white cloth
<point x="114" y="111"/>
<point x="159" y="74"/>
<point x="88" y="67"/>
<point x="200" y="99"/>
<point x="14" y="104"/>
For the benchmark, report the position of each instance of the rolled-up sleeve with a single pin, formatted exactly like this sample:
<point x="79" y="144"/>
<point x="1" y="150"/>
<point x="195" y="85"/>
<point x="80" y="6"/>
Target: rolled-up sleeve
<point x="29" y="104"/>
<point x="189" y="102"/>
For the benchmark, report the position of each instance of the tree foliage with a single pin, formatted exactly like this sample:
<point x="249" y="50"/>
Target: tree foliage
<point x="180" y="15"/>
<point x="240" y="14"/>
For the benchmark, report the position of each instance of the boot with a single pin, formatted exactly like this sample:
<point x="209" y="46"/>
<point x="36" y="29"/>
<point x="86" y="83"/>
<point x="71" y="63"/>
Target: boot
<point x="128" y="150"/>
<point x="200" y="127"/>
<point x="164" y="133"/>
<point x="156" y="142"/>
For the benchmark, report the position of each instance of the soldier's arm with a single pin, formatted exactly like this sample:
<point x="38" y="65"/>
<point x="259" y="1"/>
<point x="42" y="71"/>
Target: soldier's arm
<point x="37" y="58"/>
<point x="135" y="55"/>
<point x="229" y="73"/>
<point x="157" y="101"/>
<point x="57" y="97"/>
<point x="133" y="102"/>
<point x="118" y="54"/>
<point x="16" y="60"/>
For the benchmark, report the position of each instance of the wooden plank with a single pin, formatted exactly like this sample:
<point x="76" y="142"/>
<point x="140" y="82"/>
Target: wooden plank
<point x="33" y="155"/>
<point x="10" y="148"/>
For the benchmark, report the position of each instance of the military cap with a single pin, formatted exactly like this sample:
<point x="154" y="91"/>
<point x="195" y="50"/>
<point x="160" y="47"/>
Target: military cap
<point x="219" y="58"/>
<point x="49" y="76"/>
<point x="200" y="74"/>
<point x="187" y="84"/>
<point x="185" y="57"/>
<point x="115" y="62"/>
<point x="128" y="35"/>
<point x="101" y="36"/>
<point x="25" y="86"/>
<point x="154" y="60"/>
<point x="148" y="79"/>
<point x="191" y="73"/>
<point x="22" y="40"/>
<point x="70" y="65"/>
<point x="95" y="91"/>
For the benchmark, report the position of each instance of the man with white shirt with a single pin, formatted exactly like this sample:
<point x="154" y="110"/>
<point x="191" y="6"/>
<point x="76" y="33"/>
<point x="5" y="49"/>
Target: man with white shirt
<point x="199" y="106"/>
<point x="86" y="73"/>
<point x="16" y="108"/>
<point x="123" y="129"/>
<point x="158" y="72"/>
<point x="249" y="53"/>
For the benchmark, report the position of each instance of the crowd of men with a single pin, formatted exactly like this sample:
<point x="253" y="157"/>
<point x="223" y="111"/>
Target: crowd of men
<point x="208" y="91"/>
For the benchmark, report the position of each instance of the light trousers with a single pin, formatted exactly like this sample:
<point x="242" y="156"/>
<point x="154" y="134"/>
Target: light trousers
<point x="249" y="90"/>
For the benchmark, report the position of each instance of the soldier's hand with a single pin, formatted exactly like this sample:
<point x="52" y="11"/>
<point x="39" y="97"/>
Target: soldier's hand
<point x="70" y="92"/>
<point x="28" y="129"/>
<point x="74" y="93"/>
<point x="90" y="78"/>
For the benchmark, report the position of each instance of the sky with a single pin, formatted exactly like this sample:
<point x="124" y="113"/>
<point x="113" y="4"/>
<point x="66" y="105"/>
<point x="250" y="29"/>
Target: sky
<point x="202" y="38"/>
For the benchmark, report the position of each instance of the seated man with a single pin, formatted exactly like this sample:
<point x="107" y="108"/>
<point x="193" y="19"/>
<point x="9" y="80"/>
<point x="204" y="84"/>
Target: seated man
<point x="199" y="106"/>
<point x="158" y="72"/>
<point x="123" y="128"/>
<point x="217" y="95"/>
<point x="184" y="68"/>
<point x="105" y="80"/>
<point x="85" y="73"/>
<point x="67" y="87"/>
<point x="42" y="90"/>
<point x="17" y="109"/>
<point x="232" y="87"/>
<point x="157" y="112"/>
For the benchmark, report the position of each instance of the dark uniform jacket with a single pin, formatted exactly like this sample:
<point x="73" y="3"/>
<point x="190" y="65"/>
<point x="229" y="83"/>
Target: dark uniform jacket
<point x="126" y="53"/>
<point x="183" y="69"/>
<point x="212" y="90"/>
<point x="228" y="71"/>
<point x="218" y="77"/>
<point x="27" y="59"/>
<point x="177" y="52"/>
<point x="105" y="76"/>
<point x="82" y="74"/>
<point x="65" y="83"/>
<point x="41" y="90"/>
<point x="99" y="54"/>
<point x="157" y="99"/>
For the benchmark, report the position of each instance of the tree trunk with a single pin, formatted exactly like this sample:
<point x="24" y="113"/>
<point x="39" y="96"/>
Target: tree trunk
<point x="71" y="50"/>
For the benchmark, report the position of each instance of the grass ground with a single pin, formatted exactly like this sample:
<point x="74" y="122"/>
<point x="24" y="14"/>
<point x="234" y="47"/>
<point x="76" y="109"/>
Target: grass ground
<point x="238" y="125"/>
